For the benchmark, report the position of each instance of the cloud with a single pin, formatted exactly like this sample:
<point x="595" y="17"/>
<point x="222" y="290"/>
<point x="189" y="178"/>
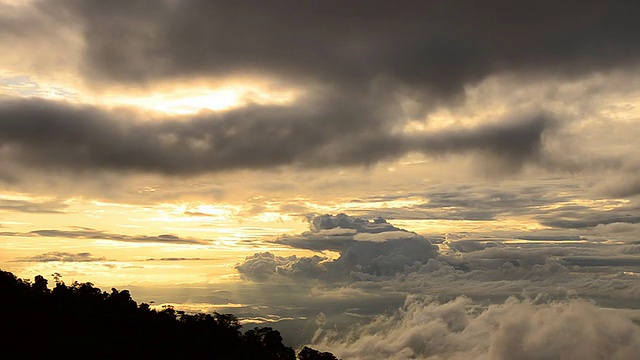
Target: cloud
<point x="631" y="249"/>
<point x="486" y="269"/>
<point x="178" y="259"/>
<point x="37" y="40"/>
<point x="474" y="201"/>
<point x="365" y="72"/>
<point x="368" y="278"/>
<point x="622" y="187"/>
<point x="466" y="246"/>
<point x="266" y="266"/>
<point x="92" y="234"/>
<point x="62" y="256"/>
<point x="369" y="247"/>
<point x="594" y="261"/>
<point x="550" y="237"/>
<point x="578" y="218"/>
<point x="344" y="221"/>
<point x="603" y="273"/>
<point x="514" y="329"/>
<point x="26" y="206"/>
<point x="43" y="134"/>
<point x="439" y="47"/>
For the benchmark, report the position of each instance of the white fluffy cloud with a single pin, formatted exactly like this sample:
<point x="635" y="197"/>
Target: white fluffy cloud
<point x="267" y="266"/>
<point x="512" y="330"/>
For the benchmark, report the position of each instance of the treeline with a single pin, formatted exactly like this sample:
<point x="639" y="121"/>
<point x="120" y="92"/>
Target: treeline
<point x="80" y="321"/>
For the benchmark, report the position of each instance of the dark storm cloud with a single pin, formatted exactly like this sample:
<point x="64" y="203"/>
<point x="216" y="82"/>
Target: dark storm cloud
<point x="45" y="134"/>
<point x="87" y="233"/>
<point x="357" y="64"/>
<point x="431" y="45"/>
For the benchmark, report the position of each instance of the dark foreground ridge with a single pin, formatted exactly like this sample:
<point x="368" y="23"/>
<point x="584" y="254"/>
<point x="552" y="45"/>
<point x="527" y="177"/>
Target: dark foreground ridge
<point x="79" y="321"/>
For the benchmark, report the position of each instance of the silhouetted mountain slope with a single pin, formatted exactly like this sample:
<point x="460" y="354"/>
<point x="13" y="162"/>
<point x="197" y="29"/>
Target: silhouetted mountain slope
<point x="79" y="321"/>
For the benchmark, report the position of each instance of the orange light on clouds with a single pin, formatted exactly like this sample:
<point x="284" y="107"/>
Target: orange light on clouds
<point x="181" y="103"/>
<point x="178" y="99"/>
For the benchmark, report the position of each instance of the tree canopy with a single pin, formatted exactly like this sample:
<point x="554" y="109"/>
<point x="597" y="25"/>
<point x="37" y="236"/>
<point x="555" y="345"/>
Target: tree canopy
<point x="81" y="321"/>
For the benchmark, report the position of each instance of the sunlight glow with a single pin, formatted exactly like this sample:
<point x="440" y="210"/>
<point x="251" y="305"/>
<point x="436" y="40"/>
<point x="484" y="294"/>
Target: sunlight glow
<point x="192" y="100"/>
<point x="179" y="104"/>
<point x="173" y="99"/>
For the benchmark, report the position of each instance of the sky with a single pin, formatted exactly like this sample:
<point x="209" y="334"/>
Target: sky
<point x="378" y="179"/>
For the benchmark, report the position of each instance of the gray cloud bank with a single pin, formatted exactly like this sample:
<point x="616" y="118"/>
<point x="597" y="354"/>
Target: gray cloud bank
<point x="420" y="45"/>
<point x="43" y="134"/>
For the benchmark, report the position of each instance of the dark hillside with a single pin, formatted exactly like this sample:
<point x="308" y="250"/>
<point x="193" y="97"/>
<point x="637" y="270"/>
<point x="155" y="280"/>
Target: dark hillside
<point x="80" y="321"/>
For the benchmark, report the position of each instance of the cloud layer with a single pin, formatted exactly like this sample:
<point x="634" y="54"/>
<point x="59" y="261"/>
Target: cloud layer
<point x="514" y="329"/>
<point x="492" y="297"/>
<point x="93" y="234"/>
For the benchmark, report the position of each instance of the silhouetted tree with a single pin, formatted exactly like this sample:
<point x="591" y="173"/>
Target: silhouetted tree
<point x="40" y="284"/>
<point x="79" y="321"/>
<point x="308" y="353"/>
<point x="267" y="344"/>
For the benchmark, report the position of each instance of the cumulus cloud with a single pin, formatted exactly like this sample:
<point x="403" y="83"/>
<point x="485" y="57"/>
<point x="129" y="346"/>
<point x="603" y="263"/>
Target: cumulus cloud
<point x="470" y="246"/>
<point x="603" y="273"/>
<point x="515" y="329"/>
<point x="369" y="247"/>
<point x="391" y="258"/>
<point x="266" y="266"/>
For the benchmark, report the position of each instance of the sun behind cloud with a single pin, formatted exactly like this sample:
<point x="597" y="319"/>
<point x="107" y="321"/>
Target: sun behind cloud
<point x="187" y="99"/>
